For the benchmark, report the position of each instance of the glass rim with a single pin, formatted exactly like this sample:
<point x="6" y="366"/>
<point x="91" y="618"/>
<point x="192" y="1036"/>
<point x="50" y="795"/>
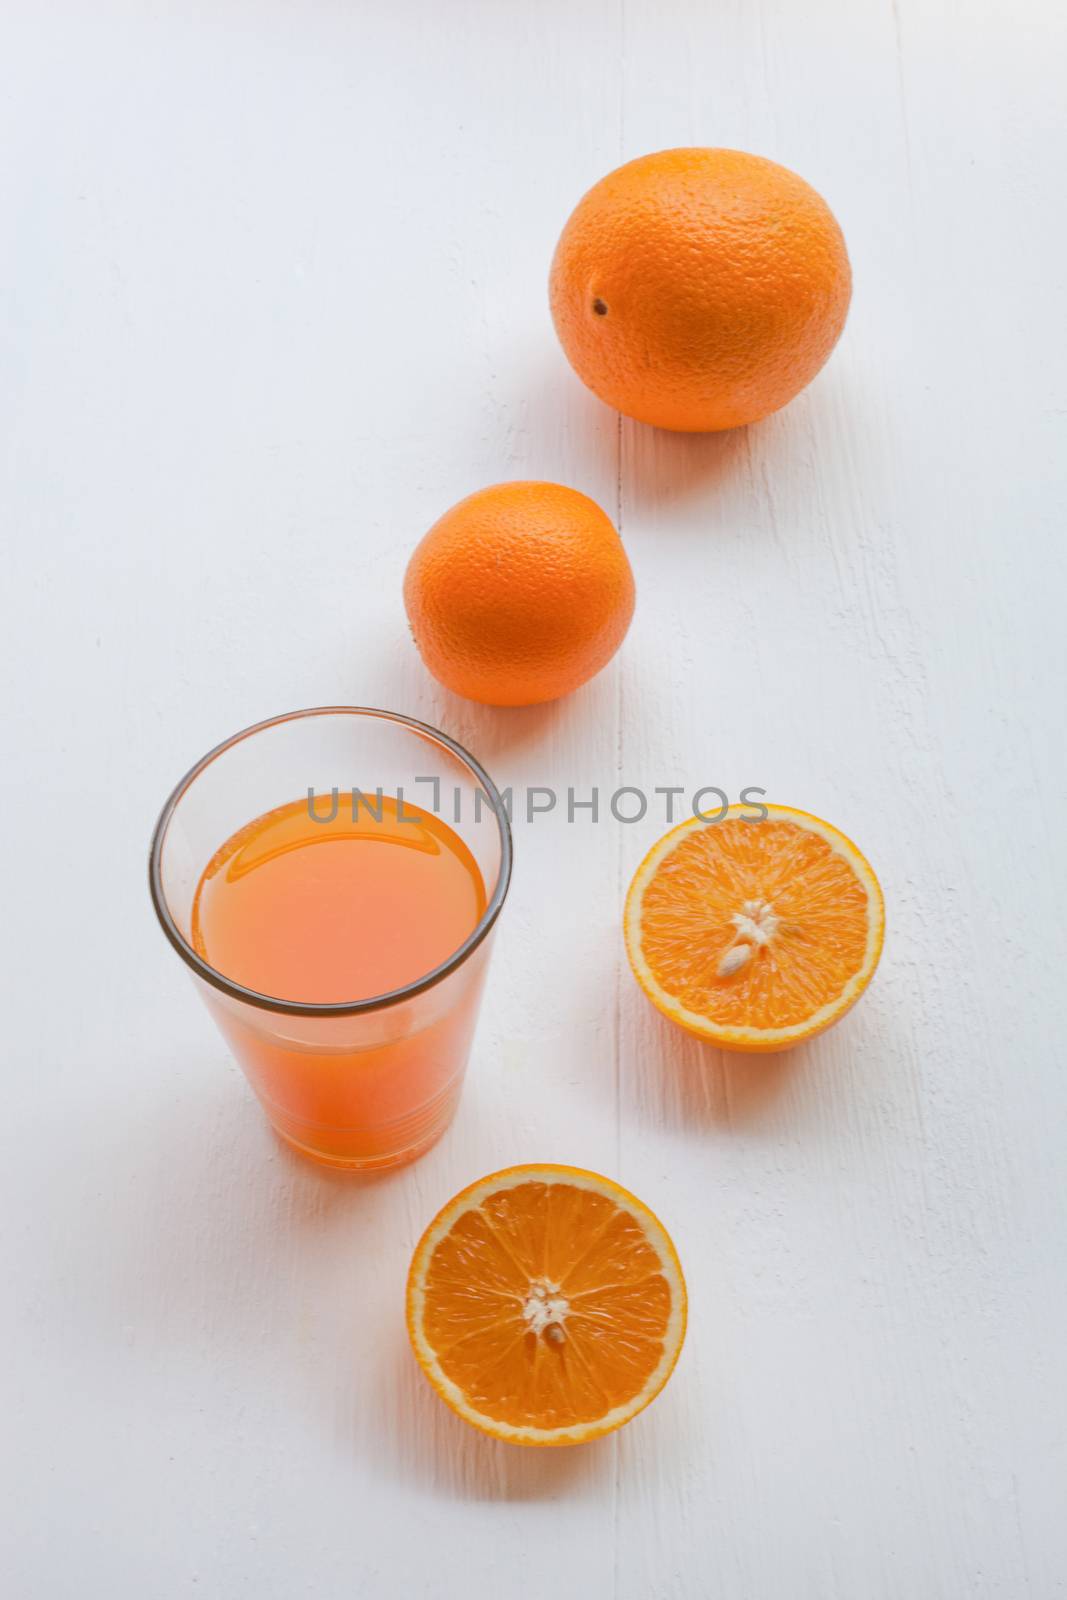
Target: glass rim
<point x="341" y="1008"/>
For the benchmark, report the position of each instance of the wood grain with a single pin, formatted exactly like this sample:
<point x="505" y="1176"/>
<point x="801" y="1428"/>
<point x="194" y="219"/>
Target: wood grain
<point x="274" y="290"/>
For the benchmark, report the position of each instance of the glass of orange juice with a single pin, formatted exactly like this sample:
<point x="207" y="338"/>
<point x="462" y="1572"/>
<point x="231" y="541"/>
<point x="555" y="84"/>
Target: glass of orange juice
<point x="332" y="879"/>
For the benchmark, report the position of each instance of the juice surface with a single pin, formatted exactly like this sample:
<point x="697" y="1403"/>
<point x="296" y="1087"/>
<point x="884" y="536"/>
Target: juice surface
<point x="322" y="911"/>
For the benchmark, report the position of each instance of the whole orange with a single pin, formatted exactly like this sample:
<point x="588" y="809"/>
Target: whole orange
<point x="519" y="594"/>
<point x="700" y="289"/>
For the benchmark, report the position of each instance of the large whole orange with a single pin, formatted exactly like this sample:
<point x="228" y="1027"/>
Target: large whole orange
<point x="700" y="289"/>
<point x="519" y="594"/>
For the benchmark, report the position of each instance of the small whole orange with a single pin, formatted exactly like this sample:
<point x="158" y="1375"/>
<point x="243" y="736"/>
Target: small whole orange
<point x="700" y="289"/>
<point x="520" y="593"/>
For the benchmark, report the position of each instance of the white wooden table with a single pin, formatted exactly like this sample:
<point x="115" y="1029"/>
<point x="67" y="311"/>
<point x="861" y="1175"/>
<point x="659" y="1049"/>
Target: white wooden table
<point x="273" y="289"/>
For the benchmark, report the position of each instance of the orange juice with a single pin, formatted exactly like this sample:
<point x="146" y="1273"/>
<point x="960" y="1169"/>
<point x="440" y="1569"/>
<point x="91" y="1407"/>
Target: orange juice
<point x="320" y="912"/>
<point x="326" y="911"/>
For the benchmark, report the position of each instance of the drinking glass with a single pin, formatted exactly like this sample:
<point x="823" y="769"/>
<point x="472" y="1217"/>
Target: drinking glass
<point x="366" y="1083"/>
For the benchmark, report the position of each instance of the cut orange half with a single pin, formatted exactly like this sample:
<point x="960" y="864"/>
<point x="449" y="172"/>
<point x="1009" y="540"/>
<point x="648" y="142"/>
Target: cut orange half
<point x="754" y="934"/>
<point x="546" y="1305"/>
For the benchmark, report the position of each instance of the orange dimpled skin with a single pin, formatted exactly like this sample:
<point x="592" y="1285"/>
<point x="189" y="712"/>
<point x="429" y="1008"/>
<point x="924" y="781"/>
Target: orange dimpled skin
<point x="519" y="594"/>
<point x="700" y="289"/>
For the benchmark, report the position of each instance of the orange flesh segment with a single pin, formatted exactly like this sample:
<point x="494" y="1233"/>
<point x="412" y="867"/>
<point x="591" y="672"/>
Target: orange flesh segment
<point x="820" y="905"/>
<point x="582" y="1248"/>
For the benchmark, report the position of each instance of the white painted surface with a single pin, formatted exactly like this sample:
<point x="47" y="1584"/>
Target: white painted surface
<point x="273" y="297"/>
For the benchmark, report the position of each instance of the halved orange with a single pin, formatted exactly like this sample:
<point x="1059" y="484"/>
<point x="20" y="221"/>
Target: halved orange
<point x="754" y="934"/>
<point x="546" y="1305"/>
